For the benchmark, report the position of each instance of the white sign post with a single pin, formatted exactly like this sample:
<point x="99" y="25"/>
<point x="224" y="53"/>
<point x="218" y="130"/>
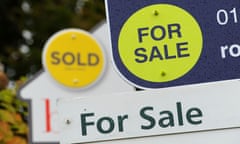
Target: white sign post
<point x="184" y="110"/>
<point x="43" y="92"/>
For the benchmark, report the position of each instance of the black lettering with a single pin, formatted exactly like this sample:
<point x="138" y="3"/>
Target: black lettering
<point x="155" y="54"/>
<point x="180" y="49"/>
<point x="174" y="28"/>
<point x="140" y="53"/>
<point x="140" y="34"/>
<point x="167" y="56"/>
<point x="153" y="33"/>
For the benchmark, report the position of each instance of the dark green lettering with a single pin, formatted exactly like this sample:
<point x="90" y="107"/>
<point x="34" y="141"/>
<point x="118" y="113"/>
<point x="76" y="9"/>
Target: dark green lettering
<point x="120" y="122"/>
<point x="147" y="117"/>
<point x="100" y="123"/>
<point x="179" y="113"/>
<point x="169" y="121"/>
<point x="84" y="122"/>
<point x="194" y="113"/>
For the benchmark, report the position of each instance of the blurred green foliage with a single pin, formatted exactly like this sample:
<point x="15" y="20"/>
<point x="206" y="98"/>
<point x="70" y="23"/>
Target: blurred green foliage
<point x="25" y="26"/>
<point x="13" y="115"/>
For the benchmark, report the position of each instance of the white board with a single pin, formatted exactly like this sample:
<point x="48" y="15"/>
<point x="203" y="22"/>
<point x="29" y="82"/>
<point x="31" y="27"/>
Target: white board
<point x="152" y="114"/>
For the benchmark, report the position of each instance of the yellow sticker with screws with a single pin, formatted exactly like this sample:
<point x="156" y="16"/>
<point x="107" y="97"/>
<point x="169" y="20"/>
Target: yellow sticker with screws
<point x="74" y="58"/>
<point x="160" y="43"/>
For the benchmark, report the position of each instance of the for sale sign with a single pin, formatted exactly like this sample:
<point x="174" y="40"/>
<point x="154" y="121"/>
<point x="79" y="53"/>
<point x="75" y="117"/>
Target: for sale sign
<point x="169" y="43"/>
<point x="152" y="114"/>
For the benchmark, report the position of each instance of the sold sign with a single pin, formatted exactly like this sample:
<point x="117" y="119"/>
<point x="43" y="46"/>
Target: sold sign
<point x="74" y="58"/>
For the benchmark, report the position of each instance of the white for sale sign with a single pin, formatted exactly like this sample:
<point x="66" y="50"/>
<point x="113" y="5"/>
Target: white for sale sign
<point x="188" y="109"/>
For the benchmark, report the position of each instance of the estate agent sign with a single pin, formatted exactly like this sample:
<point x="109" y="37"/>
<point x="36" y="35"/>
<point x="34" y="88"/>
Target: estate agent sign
<point x="161" y="43"/>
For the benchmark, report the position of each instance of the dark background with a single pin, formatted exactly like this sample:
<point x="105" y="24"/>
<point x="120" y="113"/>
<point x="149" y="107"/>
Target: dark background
<point x="25" y="26"/>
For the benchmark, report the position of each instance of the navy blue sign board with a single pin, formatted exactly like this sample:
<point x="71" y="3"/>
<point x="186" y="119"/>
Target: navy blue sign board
<point x="219" y="23"/>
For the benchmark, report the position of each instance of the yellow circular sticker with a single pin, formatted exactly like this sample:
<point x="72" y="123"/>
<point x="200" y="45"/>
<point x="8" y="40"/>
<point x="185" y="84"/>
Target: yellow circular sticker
<point x="74" y="58"/>
<point x="160" y="43"/>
